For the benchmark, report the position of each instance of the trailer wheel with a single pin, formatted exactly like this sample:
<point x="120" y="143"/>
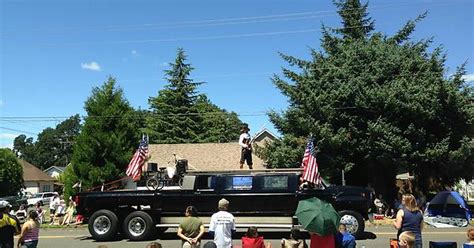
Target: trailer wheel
<point x="138" y="225"/>
<point x="354" y="222"/>
<point x="103" y="225"/>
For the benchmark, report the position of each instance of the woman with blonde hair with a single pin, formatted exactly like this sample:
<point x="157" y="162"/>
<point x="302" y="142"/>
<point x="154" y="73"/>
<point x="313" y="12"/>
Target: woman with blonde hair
<point x="406" y="240"/>
<point x="409" y="218"/>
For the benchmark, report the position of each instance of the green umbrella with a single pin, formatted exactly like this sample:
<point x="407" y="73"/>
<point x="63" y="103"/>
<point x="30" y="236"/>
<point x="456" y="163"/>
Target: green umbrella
<point x="317" y="216"/>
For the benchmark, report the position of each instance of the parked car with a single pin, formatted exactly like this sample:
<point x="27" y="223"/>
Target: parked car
<point x="15" y="200"/>
<point x="43" y="198"/>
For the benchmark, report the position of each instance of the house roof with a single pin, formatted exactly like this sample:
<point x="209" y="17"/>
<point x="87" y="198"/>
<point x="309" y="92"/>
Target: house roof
<point x="264" y="132"/>
<point x="57" y="168"/>
<point x="33" y="173"/>
<point x="201" y="156"/>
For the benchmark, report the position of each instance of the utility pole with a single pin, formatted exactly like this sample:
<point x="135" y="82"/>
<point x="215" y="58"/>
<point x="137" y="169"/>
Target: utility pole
<point x="65" y="142"/>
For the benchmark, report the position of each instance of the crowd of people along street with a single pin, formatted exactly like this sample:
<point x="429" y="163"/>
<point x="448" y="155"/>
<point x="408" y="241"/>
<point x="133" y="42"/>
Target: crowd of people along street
<point x="222" y="228"/>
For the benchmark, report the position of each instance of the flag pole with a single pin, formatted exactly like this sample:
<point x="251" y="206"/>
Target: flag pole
<point x="343" y="178"/>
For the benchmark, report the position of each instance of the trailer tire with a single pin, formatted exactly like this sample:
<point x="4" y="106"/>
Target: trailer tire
<point x="354" y="222"/>
<point x="138" y="225"/>
<point x="103" y="225"/>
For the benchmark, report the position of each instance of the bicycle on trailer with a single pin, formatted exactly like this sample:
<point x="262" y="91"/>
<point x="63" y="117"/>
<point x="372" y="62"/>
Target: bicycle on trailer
<point x="165" y="177"/>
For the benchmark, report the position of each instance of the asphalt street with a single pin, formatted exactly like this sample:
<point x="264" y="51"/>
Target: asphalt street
<point x="375" y="237"/>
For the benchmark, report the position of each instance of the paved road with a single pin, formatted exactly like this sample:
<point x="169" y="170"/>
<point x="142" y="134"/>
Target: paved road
<point x="376" y="237"/>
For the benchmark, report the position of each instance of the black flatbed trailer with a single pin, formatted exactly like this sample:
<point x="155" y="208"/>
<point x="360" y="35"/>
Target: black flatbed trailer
<point x="261" y="198"/>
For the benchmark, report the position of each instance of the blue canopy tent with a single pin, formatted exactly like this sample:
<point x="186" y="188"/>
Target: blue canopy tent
<point x="449" y="204"/>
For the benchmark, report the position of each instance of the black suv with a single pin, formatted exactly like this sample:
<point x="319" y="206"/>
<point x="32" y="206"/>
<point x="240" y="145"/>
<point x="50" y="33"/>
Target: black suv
<point x="265" y="199"/>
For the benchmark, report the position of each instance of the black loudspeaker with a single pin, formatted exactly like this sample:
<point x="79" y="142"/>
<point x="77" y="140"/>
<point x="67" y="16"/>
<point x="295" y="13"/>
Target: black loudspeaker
<point x="181" y="166"/>
<point x="444" y="244"/>
<point x="152" y="167"/>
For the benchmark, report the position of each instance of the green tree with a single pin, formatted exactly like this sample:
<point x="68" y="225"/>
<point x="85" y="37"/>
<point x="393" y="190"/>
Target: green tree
<point x="11" y="173"/>
<point x="53" y="146"/>
<point x="217" y="125"/>
<point x="108" y="137"/>
<point x="377" y="103"/>
<point x="24" y="148"/>
<point x="68" y="178"/>
<point x="180" y="115"/>
<point x="173" y="116"/>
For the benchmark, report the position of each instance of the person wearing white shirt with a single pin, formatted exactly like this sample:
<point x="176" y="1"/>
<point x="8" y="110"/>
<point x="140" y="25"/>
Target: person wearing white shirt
<point x="222" y="225"/>
<point x="53" y="205"/>
<point x="244" y="142"/>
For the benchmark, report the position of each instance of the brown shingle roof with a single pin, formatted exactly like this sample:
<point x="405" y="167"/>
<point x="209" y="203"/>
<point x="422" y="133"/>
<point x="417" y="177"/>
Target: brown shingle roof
<point x="202" y="156"/>
<point x="33" y="173"/>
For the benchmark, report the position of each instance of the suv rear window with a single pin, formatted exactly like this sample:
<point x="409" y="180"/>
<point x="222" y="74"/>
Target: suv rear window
<point x="275" y="182"/>
<point x="238" y="183"/>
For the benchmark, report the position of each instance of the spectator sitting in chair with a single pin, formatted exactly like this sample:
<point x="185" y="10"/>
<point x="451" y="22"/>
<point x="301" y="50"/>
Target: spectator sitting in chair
<point x="348" y="241"/>
<point x="470" y="236"/>
<point x="69" y="212"/>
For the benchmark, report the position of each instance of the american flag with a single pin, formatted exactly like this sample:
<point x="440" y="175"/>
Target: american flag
<point x="309" y="164"/>
<point x="134" y="169"/>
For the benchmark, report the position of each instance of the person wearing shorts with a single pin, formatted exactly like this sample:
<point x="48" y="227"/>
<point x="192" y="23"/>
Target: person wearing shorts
<point x="244" y="142"/>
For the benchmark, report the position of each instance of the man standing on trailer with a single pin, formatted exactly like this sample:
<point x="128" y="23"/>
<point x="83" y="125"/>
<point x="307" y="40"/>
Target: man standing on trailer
<point x="244" y="142"/>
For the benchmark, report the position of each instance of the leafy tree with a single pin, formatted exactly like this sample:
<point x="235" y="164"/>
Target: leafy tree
<point x="377" y="103"/>
<point x="180" y="115"/>
<point x="11" y="173"/>
<point x="109" y="135"/>
<point x="68" y="178"/>
<point x="24" y="148"/>
<point x="217" y="125"/>
<point x="282" y="153"/>
<point x="53" y="146"/>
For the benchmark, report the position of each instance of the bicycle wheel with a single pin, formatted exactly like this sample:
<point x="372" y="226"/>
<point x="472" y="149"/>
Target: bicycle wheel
<point x="161" y="184"/>
<point x="151" y="183"/>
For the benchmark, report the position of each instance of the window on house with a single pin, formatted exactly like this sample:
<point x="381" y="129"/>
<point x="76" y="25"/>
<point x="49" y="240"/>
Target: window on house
<point x="46" y="188"/>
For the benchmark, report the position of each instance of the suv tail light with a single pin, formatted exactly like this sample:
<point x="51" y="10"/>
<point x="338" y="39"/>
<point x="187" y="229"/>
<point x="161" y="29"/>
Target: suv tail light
<point x="77" y="199"/>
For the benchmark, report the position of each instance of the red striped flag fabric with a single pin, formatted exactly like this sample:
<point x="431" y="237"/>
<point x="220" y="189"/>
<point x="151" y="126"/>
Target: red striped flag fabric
<point x="310" y="165"/>
<point x="134" y="169"/>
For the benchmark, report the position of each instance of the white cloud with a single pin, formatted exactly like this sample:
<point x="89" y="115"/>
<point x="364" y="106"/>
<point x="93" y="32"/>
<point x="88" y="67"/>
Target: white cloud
<point x="468" y="77"/>
<point x="134" y="52"/>
<point x="6" y="145"/>
<point x="6" y="140"/>
<point x="8" y="135"/>
<point x="93" y="66"/>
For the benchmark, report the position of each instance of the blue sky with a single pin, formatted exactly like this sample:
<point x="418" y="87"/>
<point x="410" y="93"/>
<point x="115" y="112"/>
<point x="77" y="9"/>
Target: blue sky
<point x="53" y="52"/>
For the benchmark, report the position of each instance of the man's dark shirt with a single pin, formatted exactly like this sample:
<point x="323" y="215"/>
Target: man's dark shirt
<point x="7" y="232"/>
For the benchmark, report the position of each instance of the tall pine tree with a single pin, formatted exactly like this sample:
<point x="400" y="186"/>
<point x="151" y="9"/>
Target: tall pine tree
<point x="173" y="117"/>
<point x="109" y="135"/>
<point x="180" y="115"/>
<point x="377" y="103"/>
